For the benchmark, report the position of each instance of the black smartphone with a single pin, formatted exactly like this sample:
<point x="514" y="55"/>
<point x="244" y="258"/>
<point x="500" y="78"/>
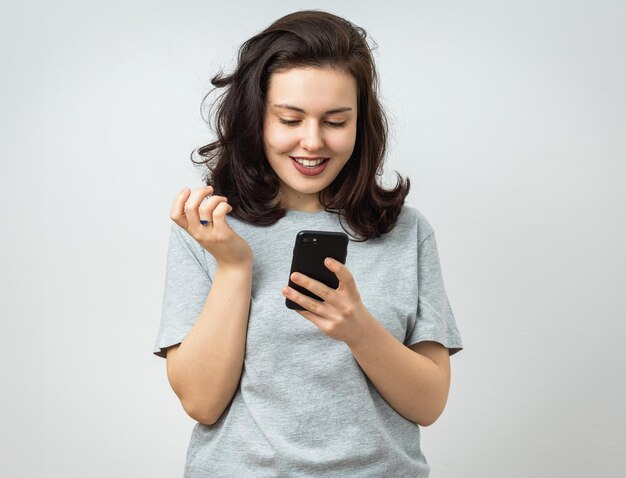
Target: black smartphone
<point x="309" y="252"/>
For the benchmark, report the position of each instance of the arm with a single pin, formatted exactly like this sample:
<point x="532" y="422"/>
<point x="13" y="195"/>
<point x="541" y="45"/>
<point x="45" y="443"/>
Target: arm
<point x="414" y="380"/>
<point x="204" y="371"/>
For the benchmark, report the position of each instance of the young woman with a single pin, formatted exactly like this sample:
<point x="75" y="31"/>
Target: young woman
<point x="341" y="388"/>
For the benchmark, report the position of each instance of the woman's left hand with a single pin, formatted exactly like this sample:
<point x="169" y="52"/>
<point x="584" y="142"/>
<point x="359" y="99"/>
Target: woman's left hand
<point x="342" y="316"/>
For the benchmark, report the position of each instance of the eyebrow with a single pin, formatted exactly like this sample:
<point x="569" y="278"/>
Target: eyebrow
<point x="295" y="108"/>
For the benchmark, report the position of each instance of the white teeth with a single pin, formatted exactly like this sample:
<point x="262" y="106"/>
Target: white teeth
<point x="306" y="162"/>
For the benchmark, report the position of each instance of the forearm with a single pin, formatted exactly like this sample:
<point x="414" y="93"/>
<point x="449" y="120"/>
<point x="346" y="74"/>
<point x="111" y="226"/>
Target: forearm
<point x="411" y="383"/>
<point x="209" y="360"/>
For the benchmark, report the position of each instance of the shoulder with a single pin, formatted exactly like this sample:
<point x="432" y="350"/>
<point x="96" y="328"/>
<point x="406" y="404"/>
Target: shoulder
<point x="417" y="221"/>
<point x="182" y="239"/>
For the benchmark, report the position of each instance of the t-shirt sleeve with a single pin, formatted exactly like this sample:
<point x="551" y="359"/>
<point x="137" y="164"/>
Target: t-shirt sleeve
<point x="434" y="320"/>
<point x="187" y="286"/>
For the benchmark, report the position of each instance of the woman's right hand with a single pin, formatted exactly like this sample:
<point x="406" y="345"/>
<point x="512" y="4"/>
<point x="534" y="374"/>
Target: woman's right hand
<point x="217" y="237"/>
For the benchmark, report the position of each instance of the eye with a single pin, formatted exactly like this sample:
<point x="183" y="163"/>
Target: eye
<point x="295" y="122"/>
<point x="289" y="123"/>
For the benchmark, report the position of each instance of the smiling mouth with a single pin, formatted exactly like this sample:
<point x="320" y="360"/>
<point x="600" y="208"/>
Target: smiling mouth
<point x="311" y="171"/>
<point x="310" y="163"/>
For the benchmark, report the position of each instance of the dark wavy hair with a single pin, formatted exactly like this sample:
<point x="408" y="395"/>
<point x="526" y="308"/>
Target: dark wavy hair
<point x="236" y="164"/>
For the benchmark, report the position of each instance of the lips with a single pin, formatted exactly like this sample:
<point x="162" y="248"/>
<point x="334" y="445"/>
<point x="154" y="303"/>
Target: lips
<point x="313" y="171"/>
<point x="310" y="158"/>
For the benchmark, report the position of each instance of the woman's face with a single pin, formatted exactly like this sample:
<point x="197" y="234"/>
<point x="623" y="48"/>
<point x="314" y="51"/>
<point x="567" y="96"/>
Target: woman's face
<point x="309" y="112"/>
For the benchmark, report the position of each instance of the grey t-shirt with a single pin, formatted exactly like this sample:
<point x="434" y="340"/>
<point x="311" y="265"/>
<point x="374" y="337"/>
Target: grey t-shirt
<point x="304" y="407"/>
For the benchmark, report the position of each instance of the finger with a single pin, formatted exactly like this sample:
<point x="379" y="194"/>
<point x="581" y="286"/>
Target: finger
<point x="205" y="211"/>
<point x="307" y="302"/>
<point x="341" y="271"/>
<point x="318" y="288"/>
<point x="191" y="206"/>
<point x="177" y="213"/>
<point x="219" y="214"/>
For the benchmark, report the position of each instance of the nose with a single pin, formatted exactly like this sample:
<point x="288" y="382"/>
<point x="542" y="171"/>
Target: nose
<point x="312" y="137"/>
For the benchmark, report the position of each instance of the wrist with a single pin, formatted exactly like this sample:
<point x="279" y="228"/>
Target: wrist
<point x="366" y="335"/>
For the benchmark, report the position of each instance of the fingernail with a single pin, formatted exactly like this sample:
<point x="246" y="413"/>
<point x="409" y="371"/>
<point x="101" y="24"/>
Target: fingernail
<point x="184" y="189"/>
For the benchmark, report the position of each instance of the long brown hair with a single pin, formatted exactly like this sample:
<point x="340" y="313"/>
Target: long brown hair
<point x="236" y="165"/>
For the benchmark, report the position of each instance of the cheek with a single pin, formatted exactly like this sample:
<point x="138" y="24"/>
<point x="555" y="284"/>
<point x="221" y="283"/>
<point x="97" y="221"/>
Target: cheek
<point x="278" y="139"/>
<point x="343" y="143"/>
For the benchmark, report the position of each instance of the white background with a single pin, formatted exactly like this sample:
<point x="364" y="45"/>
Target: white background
<point x="510" y="119"/>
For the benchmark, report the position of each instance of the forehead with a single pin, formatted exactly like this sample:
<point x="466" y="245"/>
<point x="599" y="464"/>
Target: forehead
<point x="314" y="90"/>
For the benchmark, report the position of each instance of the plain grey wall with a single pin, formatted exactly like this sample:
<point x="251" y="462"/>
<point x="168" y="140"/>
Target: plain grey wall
<point x="510" y="119"/>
